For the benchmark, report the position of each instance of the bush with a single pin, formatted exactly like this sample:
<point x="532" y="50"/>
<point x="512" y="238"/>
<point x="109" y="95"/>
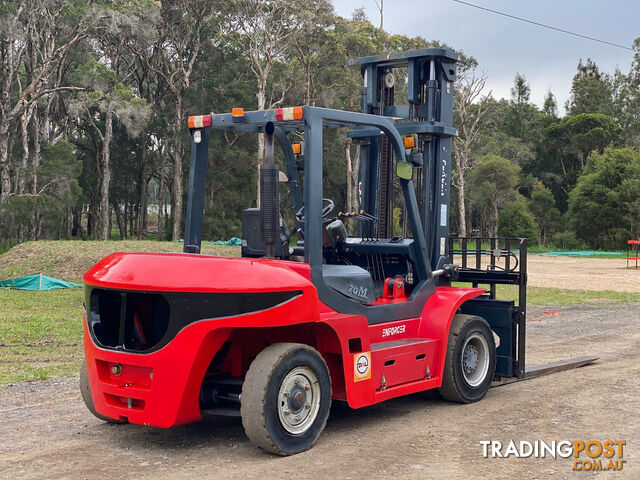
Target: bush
<point x="604" y="207"/>
<point x="515" y="220"/>
<point x="566" y="241"/>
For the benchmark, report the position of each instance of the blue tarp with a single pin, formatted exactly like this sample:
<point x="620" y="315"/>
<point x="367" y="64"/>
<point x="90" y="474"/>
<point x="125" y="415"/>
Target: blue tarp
<point x="584" y="253"/>
<point x="37" y="282"/>
<point x="232" y="242"/>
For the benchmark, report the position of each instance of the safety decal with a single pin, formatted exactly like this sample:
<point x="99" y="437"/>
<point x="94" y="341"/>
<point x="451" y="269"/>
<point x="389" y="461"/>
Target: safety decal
<point x="361" y="366"/>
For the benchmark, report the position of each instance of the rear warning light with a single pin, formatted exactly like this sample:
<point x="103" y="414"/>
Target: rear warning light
<point x="237" y="112"/>
<point x="199" y="121"/>
<point x="286" y="114"/>
<point x="409" y="142"/>
<point x="297" y="148"/>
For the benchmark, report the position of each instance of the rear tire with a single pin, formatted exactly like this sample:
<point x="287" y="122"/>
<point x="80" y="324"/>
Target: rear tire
<point x="85" y="390"/>
<point x="286" y="397"/>
<point x="470" y="361"/>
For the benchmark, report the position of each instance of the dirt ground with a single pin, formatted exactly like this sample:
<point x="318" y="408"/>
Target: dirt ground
<point x="582" y="273"/>
<point x="46" y="432"/>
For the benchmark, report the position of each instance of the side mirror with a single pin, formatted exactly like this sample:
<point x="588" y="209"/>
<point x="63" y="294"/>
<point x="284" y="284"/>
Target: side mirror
<point x="404" y="170"/>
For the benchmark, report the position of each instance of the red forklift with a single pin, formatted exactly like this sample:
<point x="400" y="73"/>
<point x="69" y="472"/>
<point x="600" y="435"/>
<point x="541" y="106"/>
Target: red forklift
<point x="276" y="335"/>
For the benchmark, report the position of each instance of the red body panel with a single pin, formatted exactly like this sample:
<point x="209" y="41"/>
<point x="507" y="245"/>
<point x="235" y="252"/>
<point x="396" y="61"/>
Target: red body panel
<point x="162" y="388"/>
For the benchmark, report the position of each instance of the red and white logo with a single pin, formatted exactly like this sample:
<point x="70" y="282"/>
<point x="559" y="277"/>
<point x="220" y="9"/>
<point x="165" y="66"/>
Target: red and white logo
<point x="361" y="366"/>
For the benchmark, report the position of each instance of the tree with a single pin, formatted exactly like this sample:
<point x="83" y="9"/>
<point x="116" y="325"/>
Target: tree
<point x="470" y="111"/>
<point x="604" y="207"/>
<point x="590" y="91"/>
<point x="626" y="88"/>
<point x="40" y="33"/>
<point x="111" y="100"/>
<point x="550" y="106"/>
<point x="515" y="220"/>
<point x="266" y="30"/>
<point x="520" y="113"/>
<point x="543" y="207"/>
<point x="493" y="180"/>
<point x="566" y="146"/>
<point x="180" y="35"/>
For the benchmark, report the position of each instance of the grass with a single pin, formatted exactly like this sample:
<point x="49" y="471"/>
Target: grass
<point x="544" y="296"/>
<point x="40" y="334"/>
<point x="541" y="249"/>
<point x="70" y="259"/>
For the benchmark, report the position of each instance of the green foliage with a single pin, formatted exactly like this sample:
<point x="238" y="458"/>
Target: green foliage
<point x="591" y="91"/>
<point x="130" y="63"/>
<point x="515" y="220"/>
<point x="493" y="184"/>
<point x="566" y="146"/>
<point x="604" y="207"/>
<point x="566" y="241"/>
<point x="543" y="207"/>
<point x="550" y="105"/>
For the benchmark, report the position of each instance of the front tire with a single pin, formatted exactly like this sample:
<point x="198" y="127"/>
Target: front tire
<point x="286" y="397"/>
<point x="470" y="360"/>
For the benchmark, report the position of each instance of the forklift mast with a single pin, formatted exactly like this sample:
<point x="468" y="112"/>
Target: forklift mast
<point x="429" y="75"/>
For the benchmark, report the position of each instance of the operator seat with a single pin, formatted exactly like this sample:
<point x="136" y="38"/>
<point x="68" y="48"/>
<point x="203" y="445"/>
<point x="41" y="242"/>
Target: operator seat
<point x="252" y="244"/>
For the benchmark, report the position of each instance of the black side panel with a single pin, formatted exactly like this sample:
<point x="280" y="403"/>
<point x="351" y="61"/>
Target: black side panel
<point x="145" y="322"/>
<point x="500" y="315"/>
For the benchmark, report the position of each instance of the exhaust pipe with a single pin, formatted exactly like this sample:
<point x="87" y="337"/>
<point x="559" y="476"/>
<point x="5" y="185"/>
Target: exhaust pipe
<point x="269" y="195"/>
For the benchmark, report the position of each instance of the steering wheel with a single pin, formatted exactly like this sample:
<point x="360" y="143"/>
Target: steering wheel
<point x="327" y="208"/>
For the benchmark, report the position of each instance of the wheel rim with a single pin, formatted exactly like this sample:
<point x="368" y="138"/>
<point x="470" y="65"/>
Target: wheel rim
<point x="475" y="359"/>
<point x="299" y="400"/>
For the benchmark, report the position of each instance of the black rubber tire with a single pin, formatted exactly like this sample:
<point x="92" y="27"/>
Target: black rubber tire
<point x="258" y="406"/>
<point x="85" y="390"/>
<point x="454" y="385"/>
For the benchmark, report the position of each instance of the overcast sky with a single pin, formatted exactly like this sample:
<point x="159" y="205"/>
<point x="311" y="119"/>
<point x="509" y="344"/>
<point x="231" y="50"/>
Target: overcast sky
<point x="504" y="46"/>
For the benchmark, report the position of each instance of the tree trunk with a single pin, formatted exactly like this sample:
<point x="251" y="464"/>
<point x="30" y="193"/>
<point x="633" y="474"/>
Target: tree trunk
<point x="5" y="178"/>
<point x="160" y="197"/>
<point x="261" y="97"/>
<point x="462" y="209"/>
<point x="121" y="226"/>
<point x="131" y="219"/>
<point x="35" y="164"/>
<point x="106" y="175"/>
<point x="142" y="203"/>
<point x="77" y="229"/>
<point x="176" y="207"/>
<point x="36" y="157"/>
<point x="494" y="224"/>
<point x="21" y="174"/>
<point x="347" y="154"/>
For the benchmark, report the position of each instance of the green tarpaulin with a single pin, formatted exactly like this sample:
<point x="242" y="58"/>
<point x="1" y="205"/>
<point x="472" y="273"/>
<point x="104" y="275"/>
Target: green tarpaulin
<point x="37" y="282"/>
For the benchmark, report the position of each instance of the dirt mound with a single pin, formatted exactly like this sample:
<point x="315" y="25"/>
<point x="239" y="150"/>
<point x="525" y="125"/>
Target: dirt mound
<point x="69" y="260"/>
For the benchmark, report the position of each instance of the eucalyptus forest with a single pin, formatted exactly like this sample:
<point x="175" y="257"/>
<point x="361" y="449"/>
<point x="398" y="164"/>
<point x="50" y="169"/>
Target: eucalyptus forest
<point x="95" y="95"/>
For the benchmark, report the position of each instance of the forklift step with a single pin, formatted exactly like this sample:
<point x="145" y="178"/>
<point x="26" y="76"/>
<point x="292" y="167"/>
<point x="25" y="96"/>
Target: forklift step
<point x="220" y="412"/>
<point x="399" y="343"/>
